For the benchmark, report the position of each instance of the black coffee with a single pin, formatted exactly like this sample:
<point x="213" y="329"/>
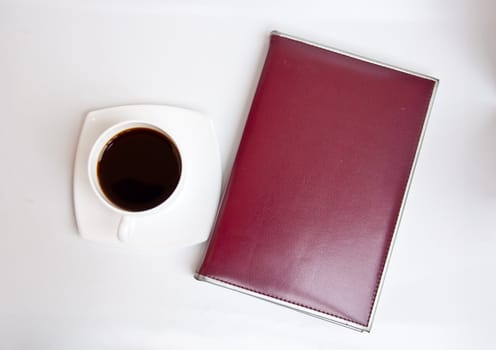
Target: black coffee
<point x="139" y="169"/>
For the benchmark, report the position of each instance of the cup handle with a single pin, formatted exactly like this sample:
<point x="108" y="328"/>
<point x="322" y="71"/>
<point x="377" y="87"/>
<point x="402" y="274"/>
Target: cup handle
<point x="126" y="228"/>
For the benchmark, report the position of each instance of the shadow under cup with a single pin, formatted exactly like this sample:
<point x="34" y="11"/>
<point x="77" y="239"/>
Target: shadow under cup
<point x="138" y="169"/>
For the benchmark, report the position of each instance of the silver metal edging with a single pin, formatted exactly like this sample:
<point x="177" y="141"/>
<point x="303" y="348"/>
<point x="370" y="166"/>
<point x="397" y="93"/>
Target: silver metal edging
<point x="349" y="324"/>
<point x="349" y="54"/>
<point x="400" y="215"/>
<point x="321" y="315"/>
<point x="417" y="152"/>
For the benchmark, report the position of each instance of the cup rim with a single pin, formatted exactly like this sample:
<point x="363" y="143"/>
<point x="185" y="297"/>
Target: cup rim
<point x="97" y="150"/>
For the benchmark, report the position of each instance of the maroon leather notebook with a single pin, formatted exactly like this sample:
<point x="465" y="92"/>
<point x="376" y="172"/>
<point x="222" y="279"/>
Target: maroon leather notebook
<point x="319" y="181"/>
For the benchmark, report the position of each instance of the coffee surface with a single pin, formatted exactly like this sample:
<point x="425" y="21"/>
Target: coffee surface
<point x="139" y="169"/>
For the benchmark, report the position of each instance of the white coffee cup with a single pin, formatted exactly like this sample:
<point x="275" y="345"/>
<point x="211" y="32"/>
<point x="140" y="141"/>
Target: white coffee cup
<point x="127" y="221"/>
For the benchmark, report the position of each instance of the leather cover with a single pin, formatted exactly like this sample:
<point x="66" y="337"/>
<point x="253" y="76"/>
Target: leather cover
<point x="318" y="182"/>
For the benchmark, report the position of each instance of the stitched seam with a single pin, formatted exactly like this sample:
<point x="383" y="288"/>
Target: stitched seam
<point x="285" y="300"/>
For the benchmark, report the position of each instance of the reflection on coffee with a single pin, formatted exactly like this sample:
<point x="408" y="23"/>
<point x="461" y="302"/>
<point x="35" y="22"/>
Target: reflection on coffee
<point x="139" y="169"/>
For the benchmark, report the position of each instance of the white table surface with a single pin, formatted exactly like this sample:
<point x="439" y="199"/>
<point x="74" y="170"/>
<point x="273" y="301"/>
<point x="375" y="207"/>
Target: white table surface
<point x="61" y="59"/>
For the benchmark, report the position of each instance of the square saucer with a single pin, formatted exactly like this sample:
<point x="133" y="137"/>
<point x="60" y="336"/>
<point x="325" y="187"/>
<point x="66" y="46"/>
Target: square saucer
<point x="190" y="219"/>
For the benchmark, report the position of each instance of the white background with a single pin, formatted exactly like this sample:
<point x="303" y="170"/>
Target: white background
<point x="61" y="59"/>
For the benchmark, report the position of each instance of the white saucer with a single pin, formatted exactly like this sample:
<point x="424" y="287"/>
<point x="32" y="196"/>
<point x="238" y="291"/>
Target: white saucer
<point x="190" y="219"/>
